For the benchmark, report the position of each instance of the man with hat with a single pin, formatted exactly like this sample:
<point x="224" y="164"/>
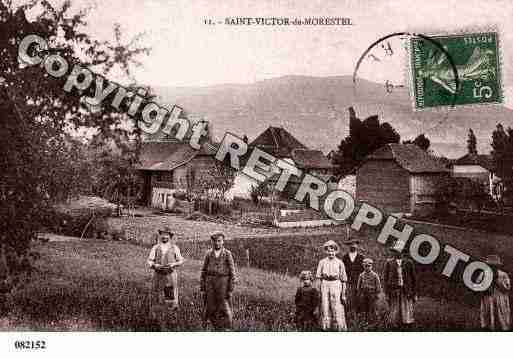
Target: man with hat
<point x="164" y="258"/>
<point x="353" y="261"/>
<point x="495" y="313"/>
<point x="217" y="281"/>
<point x="332" y="276"/>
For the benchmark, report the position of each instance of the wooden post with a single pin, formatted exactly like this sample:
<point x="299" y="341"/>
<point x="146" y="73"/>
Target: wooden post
<point x="247" y="258"/>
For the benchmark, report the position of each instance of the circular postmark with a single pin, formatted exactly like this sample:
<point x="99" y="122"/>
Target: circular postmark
<point x="401" y="64"/>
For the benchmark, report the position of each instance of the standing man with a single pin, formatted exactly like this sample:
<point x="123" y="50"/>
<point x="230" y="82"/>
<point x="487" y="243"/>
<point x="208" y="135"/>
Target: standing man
<point x="332" y="275"/>
<point x="353" y="261"/>
<point x="400" y="282"/>
<point x="217" y="280"/>
<point x="164" y="258"/>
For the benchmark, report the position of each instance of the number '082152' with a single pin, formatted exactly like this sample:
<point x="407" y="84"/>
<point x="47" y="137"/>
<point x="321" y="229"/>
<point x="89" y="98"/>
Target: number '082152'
<point x="29" y="344"/>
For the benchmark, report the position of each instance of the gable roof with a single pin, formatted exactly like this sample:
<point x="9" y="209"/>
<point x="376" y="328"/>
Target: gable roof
<point x="168" y="155"/>
<point x="277" y="142"/>
<point x="410" y="157"/>
<point x="485" y="161"/>
<point x="310" y="159"/>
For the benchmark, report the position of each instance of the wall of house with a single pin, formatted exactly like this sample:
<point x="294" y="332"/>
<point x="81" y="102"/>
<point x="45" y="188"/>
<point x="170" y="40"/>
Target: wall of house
<point x="348" y="184"/>
<point x="424" y="189"/>
<point x="477" y="173"/>
<point x="384" y="184"/>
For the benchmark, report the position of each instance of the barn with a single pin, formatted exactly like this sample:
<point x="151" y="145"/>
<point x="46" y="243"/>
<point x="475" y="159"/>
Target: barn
<point x="169" y="166"/>
<point x="401" y="178"/>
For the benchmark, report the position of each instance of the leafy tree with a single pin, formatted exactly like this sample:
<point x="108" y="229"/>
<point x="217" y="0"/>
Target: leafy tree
<point x="421" y="140"/>
<point x="259" y="191"/>
<point x="502" y="153"/>
<point x="211" y="186"/>
<point x="364" y="138"/>
<point x="39" y="118"/>
<point x="471" y="143"/>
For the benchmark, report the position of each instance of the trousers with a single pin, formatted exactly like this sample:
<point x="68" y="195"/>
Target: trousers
<point x="217" y="307"/>
<point x="332" y="310"/>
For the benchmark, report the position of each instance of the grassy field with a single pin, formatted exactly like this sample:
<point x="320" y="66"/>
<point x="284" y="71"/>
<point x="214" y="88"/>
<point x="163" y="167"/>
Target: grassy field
<point x="103" y="286"/>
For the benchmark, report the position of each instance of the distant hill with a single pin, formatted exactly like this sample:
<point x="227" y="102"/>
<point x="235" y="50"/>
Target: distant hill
<point x="314" y="110"/>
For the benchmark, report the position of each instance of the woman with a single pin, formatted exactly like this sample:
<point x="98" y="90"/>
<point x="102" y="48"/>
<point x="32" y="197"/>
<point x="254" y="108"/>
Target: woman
<point x="495" y="309"/>
<point x="400" y="282"/>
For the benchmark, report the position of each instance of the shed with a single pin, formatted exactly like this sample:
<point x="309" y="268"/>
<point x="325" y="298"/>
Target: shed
<point x="169" y="166"/>
<point x="401" y="178"/>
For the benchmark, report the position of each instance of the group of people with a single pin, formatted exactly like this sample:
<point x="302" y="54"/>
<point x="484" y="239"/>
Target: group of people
<point x="216" y="282"/>
<point x="348" y="288"/>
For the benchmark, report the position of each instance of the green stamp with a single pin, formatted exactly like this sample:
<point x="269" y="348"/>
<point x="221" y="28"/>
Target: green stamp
<point x="453" y="70"/>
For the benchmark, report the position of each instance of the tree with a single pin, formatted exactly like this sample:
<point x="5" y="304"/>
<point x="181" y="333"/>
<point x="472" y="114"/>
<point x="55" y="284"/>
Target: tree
<point x="421" y="140"/>
<point x="364" y="138"/>
<point x="210" y="186"/>
<point x="262" y="189"/>
<point x="38" y="149"/>
<point x="502" y="154"/>
<point x="471" y="143"/>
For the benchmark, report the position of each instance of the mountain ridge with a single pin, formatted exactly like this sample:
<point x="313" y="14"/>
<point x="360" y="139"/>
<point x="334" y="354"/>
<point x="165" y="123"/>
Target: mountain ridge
<point x="315" y="111"/>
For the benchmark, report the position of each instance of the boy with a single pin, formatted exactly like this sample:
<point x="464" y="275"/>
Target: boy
<point x="332" y="275"/>
<point x="368" y="289"/>
<point x="307" y="302"/>
<point x="164" y="258"/>
<point x="217" y="279"/>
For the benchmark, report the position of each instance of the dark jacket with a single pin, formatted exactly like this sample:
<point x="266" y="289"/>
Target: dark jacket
<point x="222" y="266"/>
<point x="307" y="300"/>
<point x="391" y="279"/>
<point x="353" y="269"/>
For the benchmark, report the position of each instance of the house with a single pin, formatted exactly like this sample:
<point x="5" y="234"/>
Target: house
<point x="478" y="168"/>
<point x="401" y="178"/>
<point x="279" y="143"/>
<point x="169" y="166"/>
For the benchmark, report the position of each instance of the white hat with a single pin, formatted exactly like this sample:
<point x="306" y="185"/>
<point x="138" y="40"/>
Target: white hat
<point x="331" y="243"/>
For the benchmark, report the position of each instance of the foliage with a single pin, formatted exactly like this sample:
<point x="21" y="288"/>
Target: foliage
<point x="42" y="161"/>
<point x="421" y="140"/>
<point x="208" y="189"/>
<point x="364" y="138"/>
<point x="262" y="189"/>
<point x="471" y="142"/>
<point x="502" y="153"/>
<point x="464" y="192"/>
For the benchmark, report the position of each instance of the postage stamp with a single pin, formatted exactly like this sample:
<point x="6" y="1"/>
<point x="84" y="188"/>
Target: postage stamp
<point x="455" y="70"/>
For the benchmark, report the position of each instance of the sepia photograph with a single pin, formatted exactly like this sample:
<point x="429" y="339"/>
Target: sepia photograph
<point x="255" y="166"/>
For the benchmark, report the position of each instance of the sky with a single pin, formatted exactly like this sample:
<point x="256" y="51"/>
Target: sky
<point x="186" y="52"/>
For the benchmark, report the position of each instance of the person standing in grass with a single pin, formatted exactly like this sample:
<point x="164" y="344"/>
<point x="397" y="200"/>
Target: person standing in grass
<point x="164" y="258"/>
<point x="495" y="313"/>
<point x="217" y="282"/>
<point x="307" y="303"/>
<point x="353" y="261"/>
<point x="368" y="289"/>
<point x="332" y="276"/>
<point x="400" y="283"/>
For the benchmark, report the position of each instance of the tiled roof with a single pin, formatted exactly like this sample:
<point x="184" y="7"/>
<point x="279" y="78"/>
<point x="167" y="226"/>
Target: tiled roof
<point x="410" y="157"/>
<point x="310" y="159"/>
<point x="485" y="161"/>
<point x="168" y="155"/>
<point x="277" y="141"/>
